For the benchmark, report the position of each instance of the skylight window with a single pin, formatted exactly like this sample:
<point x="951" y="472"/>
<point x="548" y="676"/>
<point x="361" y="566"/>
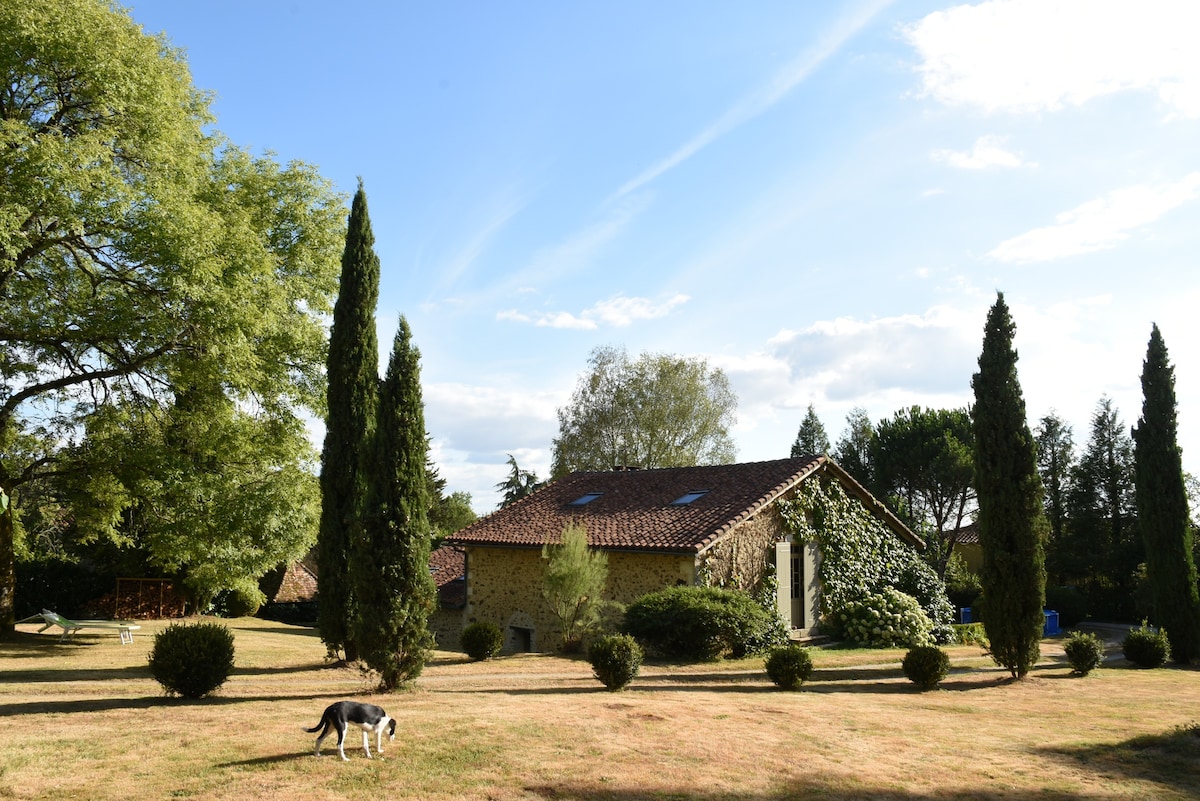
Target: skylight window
<point x="586" y="499"/>
<point x="689" y="497"/>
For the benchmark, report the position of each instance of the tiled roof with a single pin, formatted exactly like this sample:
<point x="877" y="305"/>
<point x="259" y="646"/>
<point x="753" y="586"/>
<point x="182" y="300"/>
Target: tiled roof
<point x="447" y="565"/>
<point x="633" y="509"/>
<point x="967" y="535"/>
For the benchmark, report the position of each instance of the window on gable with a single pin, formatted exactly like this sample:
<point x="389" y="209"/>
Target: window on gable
<point x="689" y="497"/>
<point x="585" y="499"/>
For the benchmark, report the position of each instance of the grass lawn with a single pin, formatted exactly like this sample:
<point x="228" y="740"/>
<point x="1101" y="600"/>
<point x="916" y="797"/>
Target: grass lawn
<point x="84" y="720"/>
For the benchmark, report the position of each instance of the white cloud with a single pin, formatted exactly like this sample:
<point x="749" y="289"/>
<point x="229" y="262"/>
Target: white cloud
<point x="616" y="312"/>
<point x="1098" y="224"/>
<point x="988" y="152"/>
<point x="765" y="96"/>
<point x="1034" y="55"/>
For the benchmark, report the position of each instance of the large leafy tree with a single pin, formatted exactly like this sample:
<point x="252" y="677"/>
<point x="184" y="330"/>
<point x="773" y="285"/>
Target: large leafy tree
<point x="1163" y="507"/>
<point x="811" y="439"/>
<point x="212" y="494"/>
<point x="655" y="411"/>
<point x="390" y="566"/>
<point x="923" y="461"/>
<point x="140" y="252"/>
<point x="1012" y="524"/>
<point x="353" y="398"/>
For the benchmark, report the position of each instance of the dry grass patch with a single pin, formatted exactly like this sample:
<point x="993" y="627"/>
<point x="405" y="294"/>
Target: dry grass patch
<point x="86" y="721"/>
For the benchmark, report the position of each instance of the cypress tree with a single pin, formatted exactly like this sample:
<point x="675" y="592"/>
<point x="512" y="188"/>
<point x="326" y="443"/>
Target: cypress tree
<point x="1162" y="507"/>
<point x="395" y="592"/>
<point x="1012" y="524"/>
<point x="353" y="373"/>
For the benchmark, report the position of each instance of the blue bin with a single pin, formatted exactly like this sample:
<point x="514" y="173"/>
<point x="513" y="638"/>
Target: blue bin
<point x="964" y="614"/>
<point x="1050" y="628"/>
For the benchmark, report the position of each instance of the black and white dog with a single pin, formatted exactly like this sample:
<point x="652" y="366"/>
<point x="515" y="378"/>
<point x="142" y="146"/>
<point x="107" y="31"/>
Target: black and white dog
<point x="344" y="714"/>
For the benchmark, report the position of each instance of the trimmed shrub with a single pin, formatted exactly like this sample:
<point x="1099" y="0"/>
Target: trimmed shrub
<point x="615" y="660"/>
<point x="789" y="666"/>
<point x="1146" y="647"/>
<point x="239" y="603"/>
<point x="1085" y="652"/>
<point x="926" y="666"/>
<point x="888" y="619"/>
<point x="192" y="660"/>
<point x="1070" y="604"/>
<point x="701" y="623"/>
<point x="482" y="640"/>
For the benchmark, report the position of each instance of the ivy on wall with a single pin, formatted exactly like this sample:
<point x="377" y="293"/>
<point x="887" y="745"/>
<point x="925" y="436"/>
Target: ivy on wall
<point x="860" y="555"/>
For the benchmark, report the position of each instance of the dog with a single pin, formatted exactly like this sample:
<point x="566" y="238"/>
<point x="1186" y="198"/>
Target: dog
<point x="344" y="714"/>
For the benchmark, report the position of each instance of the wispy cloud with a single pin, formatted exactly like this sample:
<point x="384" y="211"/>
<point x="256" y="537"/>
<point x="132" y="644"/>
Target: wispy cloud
<point x="988" y="152"/>
<point x="1034" y="55"/>
<point x="1098" y="224"/>
<point x="475" y="245"/>
<point x="765" y="96"/>
<point x="616" y="312"/>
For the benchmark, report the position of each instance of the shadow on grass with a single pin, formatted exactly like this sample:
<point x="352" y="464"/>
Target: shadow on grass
<point x="278" y="759"/>
<point x="1171" y="759"/>
<point x="149" y="702"/>
<point x="809" y="787"/>
<point x="55" y="675"/>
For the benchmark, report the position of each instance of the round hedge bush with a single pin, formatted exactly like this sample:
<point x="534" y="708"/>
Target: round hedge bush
<point x="1146" y="647"/>
<point x="702" y="623"/>
<point x="789" y="666"/>
<point x="482" y="640"/>
<point x="885" y="620"/>
<point x="615" y="660"/>
<point x="1085" y="652"/>
<point x="926" y="666"/>
<point x="192" y="660"/>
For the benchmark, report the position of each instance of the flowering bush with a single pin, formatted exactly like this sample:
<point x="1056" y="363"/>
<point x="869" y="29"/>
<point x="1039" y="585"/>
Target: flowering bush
<point x="889" y="618"/>
<point x="860" y="556"/>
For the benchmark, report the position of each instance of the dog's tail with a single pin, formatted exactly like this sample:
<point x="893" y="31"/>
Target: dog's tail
<point x="314" y="728"/>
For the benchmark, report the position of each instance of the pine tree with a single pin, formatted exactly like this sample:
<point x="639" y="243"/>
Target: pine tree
<point x="390" y="569"/>
<point x="1056" y="459"/>
<point x="352" y="397"/>
<point x="853" y="449"/>
<point x="811" y="439"/>
<point x="1100" y="547"/>
<point x="1163" y="508"/>
<point x="1012" y="524"/>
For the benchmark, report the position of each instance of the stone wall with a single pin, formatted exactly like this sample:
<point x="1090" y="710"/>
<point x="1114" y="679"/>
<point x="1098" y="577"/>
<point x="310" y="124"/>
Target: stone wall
<point x="504" y="585"/>
<point x="446" y="625"/>
<point x="738" y="561"/>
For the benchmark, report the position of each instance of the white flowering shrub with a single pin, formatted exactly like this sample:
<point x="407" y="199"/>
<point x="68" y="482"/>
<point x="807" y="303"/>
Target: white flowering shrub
<point x="887" y="619"/>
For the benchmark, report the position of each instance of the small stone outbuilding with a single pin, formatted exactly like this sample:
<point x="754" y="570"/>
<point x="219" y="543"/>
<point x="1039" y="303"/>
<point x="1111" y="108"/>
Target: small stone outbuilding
<point x="716" y="525"/>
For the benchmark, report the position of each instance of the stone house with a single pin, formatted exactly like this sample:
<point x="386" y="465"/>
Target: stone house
<point x="716" y="525"/>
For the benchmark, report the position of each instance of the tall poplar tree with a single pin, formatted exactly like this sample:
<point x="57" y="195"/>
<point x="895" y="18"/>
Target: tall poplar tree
<point x="353" y="373"/>
<point x="1012" y="524"/>
<point x="1163" y="508"/>
<point x="390" y="570"/>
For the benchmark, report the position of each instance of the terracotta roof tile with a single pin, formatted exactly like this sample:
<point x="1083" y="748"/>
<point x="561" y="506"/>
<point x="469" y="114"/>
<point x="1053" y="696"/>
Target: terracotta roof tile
<point x="634" y="509"/>
<point x="448" y="565"/>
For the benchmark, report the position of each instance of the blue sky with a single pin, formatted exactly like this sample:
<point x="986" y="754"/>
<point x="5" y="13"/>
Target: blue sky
<point x="821" y="199"/>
